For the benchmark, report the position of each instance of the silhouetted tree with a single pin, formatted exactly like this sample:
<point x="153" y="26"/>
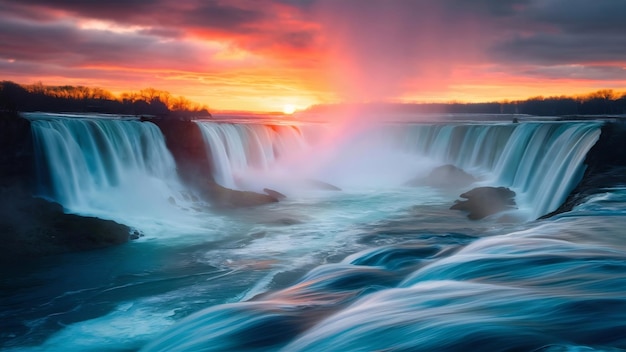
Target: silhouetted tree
<point x="39" y="97"/>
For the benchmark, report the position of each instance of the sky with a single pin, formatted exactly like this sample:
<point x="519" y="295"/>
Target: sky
<point x="263" y="55"/>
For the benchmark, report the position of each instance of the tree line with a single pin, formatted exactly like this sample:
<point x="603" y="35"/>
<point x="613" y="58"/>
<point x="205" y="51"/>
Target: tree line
<point x="602" y="102"/>
<point x="39" y="97"/>
<point x="150" y="101"/>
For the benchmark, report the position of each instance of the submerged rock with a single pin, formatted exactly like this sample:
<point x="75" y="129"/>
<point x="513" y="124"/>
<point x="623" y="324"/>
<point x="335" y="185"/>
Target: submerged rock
<point x="274" y="193"/>
<point x="223" y="197"/>
<point x="446" y="176"/>
<point x="317" y="184"/>
<point x="484" y="201"/>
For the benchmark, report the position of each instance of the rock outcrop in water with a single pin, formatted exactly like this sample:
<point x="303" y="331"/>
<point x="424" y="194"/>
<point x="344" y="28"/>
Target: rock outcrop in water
<point x="31" y="226"/>
<point x="274" y="193"/>
<point x="484" y="201"/>
<point x="184" y="140"/>
<point x="223" y="197"/>
<point x="606" y="167"/>
<point x="321" y="185"/>
<point x="445" y="176"/>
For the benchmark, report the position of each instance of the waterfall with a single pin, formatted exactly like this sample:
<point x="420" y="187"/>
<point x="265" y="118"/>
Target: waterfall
<point x="236" y="148"/>
<point x="541" y="161"/>
<point x="95" y="165"/>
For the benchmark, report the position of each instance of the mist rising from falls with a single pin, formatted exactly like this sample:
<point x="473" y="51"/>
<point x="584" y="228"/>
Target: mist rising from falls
<point x="123" y="166"/>
<point x="237" y="149"/>
<point x="105" y="167"/>
<point x="541" y="161"/>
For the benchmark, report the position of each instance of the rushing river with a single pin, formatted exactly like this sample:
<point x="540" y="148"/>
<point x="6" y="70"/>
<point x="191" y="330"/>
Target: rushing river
<point x="375" y="266"/>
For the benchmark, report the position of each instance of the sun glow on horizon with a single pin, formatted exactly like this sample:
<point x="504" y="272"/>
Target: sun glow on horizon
<point x="289" y="109"/>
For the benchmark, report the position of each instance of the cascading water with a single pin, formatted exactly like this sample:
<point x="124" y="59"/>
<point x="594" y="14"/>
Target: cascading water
<point x="541" y="161"/>
<point x="105" y="166"/>
<point x="377" y="266"/>
<point x="234" y="149"/>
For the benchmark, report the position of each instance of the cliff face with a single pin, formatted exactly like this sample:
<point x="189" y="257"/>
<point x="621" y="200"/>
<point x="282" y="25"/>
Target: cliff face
<point x="184" y="140"/>
<point x="606" y="166"/>
<point x="16" y="151"/>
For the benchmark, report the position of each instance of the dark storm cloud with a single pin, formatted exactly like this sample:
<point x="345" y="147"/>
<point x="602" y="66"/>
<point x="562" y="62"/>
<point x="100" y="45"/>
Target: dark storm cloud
<point x="552" y="32"/>
<point x="210" y="14"/>
<point x="224" y="17"/>
<point x="244" y="24"/>
<point x="372" y="48"/>
<point x="562" y="48"/>
<point x="582" y="16"/>
<point x="579" y="72"/>
<point x="495" y="8"/>
<point x="62" y="44"/>
<point x="33" y="41"/>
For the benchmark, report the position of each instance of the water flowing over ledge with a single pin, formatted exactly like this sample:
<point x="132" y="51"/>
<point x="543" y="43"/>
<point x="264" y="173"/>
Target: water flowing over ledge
<point x="378" y="265"/>
<point x="236" y="148"/>
<point x="104" y="166"/>
<point x="541" y="161"/>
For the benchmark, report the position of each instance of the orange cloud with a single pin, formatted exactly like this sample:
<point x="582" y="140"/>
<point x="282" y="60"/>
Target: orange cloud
<point x="251" y="55"/>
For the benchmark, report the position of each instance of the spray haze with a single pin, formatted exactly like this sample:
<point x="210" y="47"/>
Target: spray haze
<point x="380" y="50"/>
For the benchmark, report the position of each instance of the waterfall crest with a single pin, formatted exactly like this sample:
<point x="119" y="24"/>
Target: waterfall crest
<point x="81" y="157"/>
<point x="541" y="161"/>
<point x="235" y="148"/>
<point x="97" y="165"/>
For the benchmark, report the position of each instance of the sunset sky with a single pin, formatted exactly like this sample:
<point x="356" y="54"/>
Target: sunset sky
<point x="261" y="55"/>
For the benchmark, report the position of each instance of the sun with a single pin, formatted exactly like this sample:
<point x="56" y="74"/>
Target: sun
<point x="289" y="109"/>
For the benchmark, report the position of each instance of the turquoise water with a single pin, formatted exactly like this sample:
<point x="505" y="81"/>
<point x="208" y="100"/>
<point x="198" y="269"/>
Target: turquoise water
<point x="376" y="266"/>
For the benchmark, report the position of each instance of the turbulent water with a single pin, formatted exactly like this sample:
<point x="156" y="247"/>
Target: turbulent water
<point x="376" y="266"/>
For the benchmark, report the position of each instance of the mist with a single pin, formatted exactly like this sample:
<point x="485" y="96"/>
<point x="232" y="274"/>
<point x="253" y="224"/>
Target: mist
<point x="380" y="50"/>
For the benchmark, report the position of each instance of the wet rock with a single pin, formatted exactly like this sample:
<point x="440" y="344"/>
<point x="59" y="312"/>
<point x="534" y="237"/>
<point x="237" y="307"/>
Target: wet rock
<point x="32" y="227"/>
<point x="317" y="184"/>
<point x="274" y="193"/>
<point x="446" y="176"/>
<point x="223" y="197"/>
<point x="484" y="201"/>
<point x="16" y="151"/>
<point x="184" y="140"/>
<point x="284" y="222"/>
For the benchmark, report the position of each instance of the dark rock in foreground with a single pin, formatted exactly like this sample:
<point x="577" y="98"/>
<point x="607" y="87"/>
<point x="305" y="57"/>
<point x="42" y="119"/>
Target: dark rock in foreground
<point x="484" y="201"/>
<point x="33" y="227"/>
<point x="446" y="176"/>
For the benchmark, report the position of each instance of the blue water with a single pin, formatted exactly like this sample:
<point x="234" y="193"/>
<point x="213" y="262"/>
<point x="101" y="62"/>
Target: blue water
<point x="376" y="266"/>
